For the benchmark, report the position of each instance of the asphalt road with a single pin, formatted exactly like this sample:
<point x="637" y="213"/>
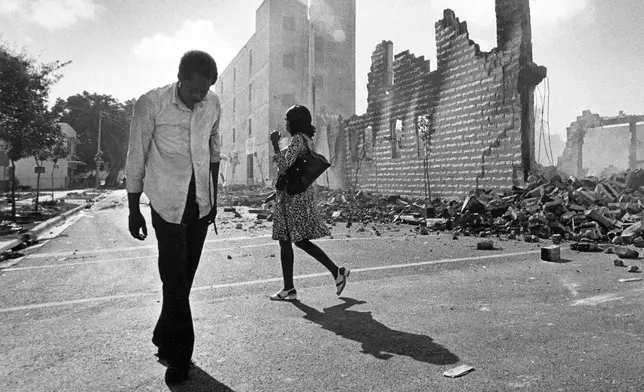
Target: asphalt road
<point x="76" y="314"/>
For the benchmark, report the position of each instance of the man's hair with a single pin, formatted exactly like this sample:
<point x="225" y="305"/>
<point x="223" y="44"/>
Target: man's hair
<point x="197" y="62"/>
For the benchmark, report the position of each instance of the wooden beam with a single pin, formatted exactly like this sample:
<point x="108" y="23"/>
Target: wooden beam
<point x="632" y="156"/>
<point x="623" y="120"/>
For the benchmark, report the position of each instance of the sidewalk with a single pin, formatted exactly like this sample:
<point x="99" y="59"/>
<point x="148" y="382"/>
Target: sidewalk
<point x="71" y="197"/>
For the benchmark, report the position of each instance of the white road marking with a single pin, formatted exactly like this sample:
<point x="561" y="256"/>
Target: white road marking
<point x="129" y="248"/>
<point x="153" y="256"/>
<point x="598" y="299"/>
<point x="154" y="246"/>
<point x="256" y="282"/>
<point x="608" y="297"/>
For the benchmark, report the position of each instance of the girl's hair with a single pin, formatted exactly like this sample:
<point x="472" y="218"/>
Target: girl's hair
<point x="299" y="120"/>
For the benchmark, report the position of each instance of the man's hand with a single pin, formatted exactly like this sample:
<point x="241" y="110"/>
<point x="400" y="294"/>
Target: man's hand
<point x="136" y="224"/>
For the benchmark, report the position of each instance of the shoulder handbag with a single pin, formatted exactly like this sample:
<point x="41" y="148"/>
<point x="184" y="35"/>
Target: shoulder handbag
<point x="304" y="171"/>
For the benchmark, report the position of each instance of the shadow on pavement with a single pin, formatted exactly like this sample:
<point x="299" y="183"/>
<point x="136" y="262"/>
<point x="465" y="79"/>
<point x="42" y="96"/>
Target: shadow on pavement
<point x="199" y="381"/>
<point x="377" y="339"/>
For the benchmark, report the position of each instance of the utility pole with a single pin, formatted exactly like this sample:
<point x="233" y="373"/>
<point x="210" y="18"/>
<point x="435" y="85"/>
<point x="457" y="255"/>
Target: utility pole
<point x="98" y="149"/>
<point x="311" y="63"/>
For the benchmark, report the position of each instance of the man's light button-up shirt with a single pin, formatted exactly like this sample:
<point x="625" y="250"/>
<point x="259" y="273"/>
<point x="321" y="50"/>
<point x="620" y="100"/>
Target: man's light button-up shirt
<point x="168" y="143"/>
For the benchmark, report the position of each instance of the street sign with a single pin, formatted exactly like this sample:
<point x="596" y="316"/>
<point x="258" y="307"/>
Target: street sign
<point x="39" y="169"/>
<point x="250" y="146"/>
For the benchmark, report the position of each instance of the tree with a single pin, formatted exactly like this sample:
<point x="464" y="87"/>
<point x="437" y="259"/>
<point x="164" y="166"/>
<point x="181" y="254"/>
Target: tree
<point x="82" y="112"/>
<point x="25" y="122"/>
<point x="42" y="148"/>
<point x="426" y="130"/>
<point x="58" y="151"/>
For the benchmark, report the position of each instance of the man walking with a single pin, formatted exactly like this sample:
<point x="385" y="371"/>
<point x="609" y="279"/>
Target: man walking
<point x="173" y="156"/>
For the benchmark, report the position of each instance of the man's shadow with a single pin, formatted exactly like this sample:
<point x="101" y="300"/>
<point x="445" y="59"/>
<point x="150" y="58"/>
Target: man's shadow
<point x="377" y="339"/>
<point x="199" y="381"/>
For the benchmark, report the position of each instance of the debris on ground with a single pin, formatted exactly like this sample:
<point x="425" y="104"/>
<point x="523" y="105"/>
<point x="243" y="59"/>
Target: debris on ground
<point x="633" y="268"/>
<point x="551" y="253"/>
<point x="629" y="280"/>
<point x="485" y="245"/>
<point x="586" y="212"/>
<point x="458" y="371"/>
<point x="625" y="253"/>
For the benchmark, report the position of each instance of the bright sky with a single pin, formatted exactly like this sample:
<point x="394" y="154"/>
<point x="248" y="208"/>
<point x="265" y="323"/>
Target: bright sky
<point x="592" y="48"/>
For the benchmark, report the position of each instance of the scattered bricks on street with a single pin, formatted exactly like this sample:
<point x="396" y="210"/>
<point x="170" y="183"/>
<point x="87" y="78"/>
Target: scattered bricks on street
<point x="260" y="212"/>
<point x="599" y="218"/>
<point x="633" y="230"/>
<point x="548" y="207"/>
<point x="485" y="245"/>
<point x="551" y="253"/>
<point x="584" y="246"/>
<point x="627" y="238"/>
<point x="585" y="197"/>
<point x="626" y="253"/>
<point x="628" y="280"/>
<point x="638" y="242"/>
<point x="458" y="371"/>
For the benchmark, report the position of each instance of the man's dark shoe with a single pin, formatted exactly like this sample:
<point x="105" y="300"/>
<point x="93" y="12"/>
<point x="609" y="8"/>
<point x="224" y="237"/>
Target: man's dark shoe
<point x="178" y="373"/>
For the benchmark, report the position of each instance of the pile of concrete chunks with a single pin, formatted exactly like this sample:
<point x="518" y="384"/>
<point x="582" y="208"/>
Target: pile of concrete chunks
<point x="590" y="213"/>
<point x="608" y="210"/>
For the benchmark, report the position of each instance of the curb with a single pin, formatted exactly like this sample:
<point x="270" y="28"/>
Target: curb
<point x="42" y="227"/>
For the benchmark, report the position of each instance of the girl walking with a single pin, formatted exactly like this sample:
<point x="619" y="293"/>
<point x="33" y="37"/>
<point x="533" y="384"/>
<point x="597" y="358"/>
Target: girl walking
<point x="295" y="217"/>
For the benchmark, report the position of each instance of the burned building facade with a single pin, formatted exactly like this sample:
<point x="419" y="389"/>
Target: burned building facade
<point x="468" y="124"/>
<point x="599" y="146"/>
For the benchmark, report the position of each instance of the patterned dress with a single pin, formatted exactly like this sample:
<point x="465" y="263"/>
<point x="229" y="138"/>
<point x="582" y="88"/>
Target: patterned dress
<point x="295" y="217"/>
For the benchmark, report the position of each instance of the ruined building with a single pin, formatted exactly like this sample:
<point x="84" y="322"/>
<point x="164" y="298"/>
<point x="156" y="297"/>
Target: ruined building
<point x="297" y="55"/>
<point x="443" y="133"/>
<point x="599" y="146"/>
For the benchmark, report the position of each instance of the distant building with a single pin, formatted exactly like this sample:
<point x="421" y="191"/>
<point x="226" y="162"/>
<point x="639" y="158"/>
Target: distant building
<point x="274" y="71"/>
<point x="63" y="173"/>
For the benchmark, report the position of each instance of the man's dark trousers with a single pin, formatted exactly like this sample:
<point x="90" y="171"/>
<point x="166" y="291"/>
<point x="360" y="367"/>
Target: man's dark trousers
<point x="180" y="248"/>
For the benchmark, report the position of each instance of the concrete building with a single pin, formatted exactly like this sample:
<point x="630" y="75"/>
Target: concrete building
<point x="300" y="53"/>
<point x="62" y="174"/>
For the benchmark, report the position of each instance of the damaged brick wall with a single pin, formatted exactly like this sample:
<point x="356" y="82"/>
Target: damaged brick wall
<point x="483" y="131"/>
<point x="591" y="148"/>
<point x="571" y="161"/>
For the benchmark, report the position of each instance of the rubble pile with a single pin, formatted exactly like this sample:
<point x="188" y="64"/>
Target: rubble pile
<point x="549" y="207"/>
<point x="607" y="210"/>
<point x="241" y="195"/>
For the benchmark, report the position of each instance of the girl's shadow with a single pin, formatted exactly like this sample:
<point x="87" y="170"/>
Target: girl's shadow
<point x="377" y="339"/>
